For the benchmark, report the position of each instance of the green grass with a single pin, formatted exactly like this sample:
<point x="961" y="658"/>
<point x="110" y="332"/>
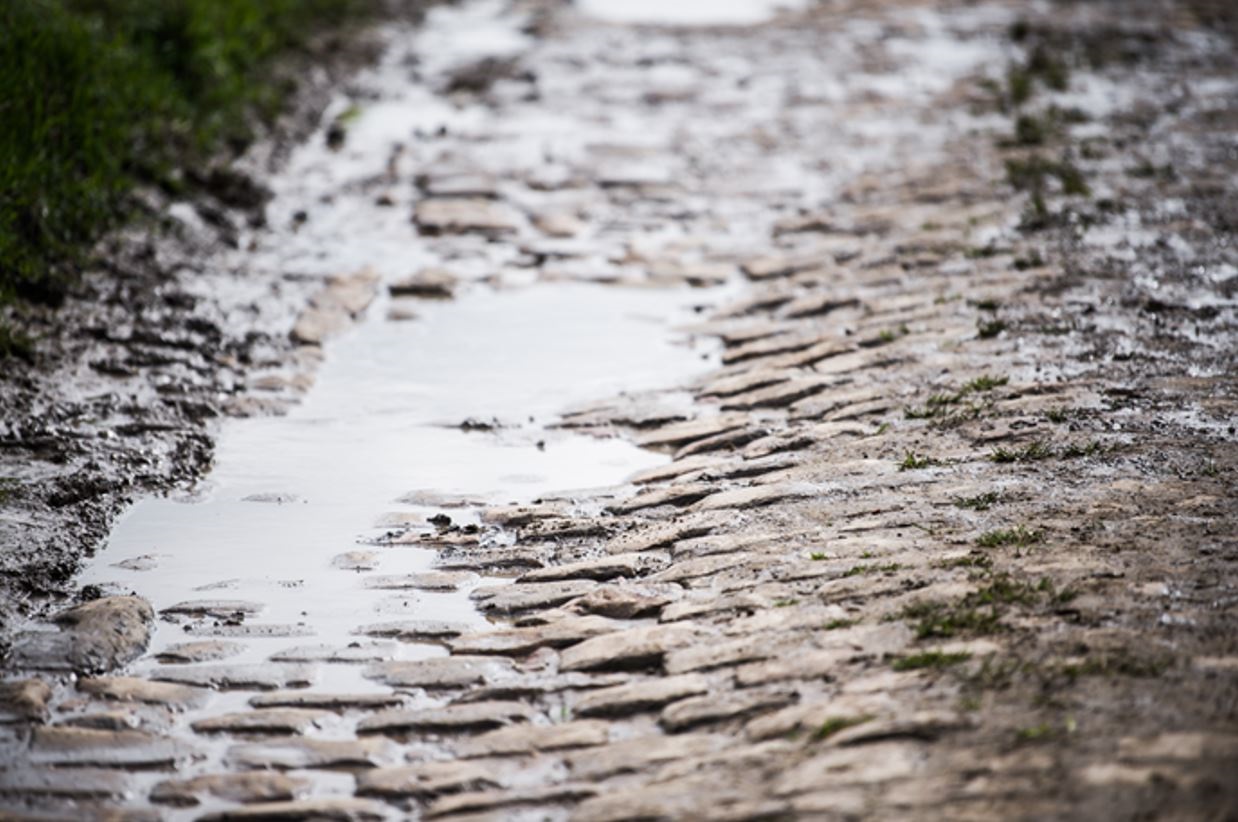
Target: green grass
<point x="100" y="95"/>
<point x="930" y="659"/>
<point x="1033" y="452"/>
<point x="835" y="724"/>
<point x="980" y="502"/>
<point x="864" y="570"/>
<point x="988" y="329"/>
<point x="911" y="462"/>
<point x="986" y="383"/>
<point x="1018" y="536"/>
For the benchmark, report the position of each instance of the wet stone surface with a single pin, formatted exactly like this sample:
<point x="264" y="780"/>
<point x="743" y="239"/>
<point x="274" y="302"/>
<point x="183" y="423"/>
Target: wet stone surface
<point x="942" y="531"/>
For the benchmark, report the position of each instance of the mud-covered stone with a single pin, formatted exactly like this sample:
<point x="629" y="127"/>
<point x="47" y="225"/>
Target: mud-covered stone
<point x="248" y="677"/>
<point x="640" y="753"/>
<point x="232" y="787"/>
<point x="644" y="695"/>
<point x="353" y="652"/>
<point x="603" y="568"/>
<point x="527" y="738"/>
<point x="429" y="283"/>
<point x="218" y="608"/>
<point x="701" y="710"/>
<point x="95" y="637"/>
<point x="634" y="648"/>
<point x="336" y="810"/>
<point x="628" y="601"/>
<point x="506" y="599"/>
<point x="207" y="650"/>
<point x="23" y="700"/>
<point x="67" y="746"/>
<point x="468" y="717"/>
<point x="63" y="783"/>
<point x="661" y="534"/>
<point x="441" y="672"/>
<point x="485" y="801"/>
<point x="424" y="780"/>
<point x="424" y="580"/>
<point x="326" y="701"/>
<point x="520" y="641"/>
<point x="296" y="754"/>
<point x="463" y="216"/>
<point x="411" y="630"/>
<point x="136" y="689"/>
<point x="265" y="721"/>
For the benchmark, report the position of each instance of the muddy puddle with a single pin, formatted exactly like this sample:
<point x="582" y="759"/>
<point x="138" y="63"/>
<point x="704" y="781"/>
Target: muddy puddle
<point x="455" y="404"/>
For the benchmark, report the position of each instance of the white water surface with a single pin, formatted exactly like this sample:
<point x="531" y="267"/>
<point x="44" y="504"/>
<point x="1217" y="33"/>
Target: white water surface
<point x="688" y="12"/>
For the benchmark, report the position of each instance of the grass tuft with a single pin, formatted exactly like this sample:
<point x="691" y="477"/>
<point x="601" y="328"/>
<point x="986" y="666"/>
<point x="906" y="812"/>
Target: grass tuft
<point x="936" y="660"/>
<point x="835" y="724"/>
<point x="1018" y="536"/>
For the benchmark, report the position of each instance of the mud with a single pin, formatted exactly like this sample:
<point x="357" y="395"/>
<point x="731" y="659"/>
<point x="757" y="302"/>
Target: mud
<point x="941" y="527"/>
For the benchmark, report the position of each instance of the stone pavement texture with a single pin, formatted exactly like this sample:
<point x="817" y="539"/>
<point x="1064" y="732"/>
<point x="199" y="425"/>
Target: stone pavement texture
<point x="949" y="533"/>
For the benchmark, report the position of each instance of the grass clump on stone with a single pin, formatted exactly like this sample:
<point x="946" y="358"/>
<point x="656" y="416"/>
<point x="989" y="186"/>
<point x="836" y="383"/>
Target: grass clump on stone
<point x="1033" y="452"/>
<point x="980" y="502"/>
<point x="912" y="461"/>
<point x="930" y="660"/>
<point x="835" y="724"/>
<point x="1019" y="536"/>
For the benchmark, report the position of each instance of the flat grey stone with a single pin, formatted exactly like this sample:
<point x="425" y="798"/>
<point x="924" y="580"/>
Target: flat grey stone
<point x="680" y="434"/>
<point x="463" y="216"/>
<point x="506" y="599"/>
<point x="335" y="810"/>
<point x="628" y="601"/>
<point x="232" y="787"/>
<point x="755" y="496"/>
<point x="523" y="739"/>
<point x="207" y="650"/>
<point x="468" y="717"/>
<point x="255" y="677"/>
<point x="521" y="641"/>
<point x="644" y="695"/>
<point x="636" y="647"/>
<point x="441" y="672"/>
<point x="676" y="494"/>
<point x="472" y="802"/>
<point x="662" y="534"/>
<point x="603" y="568"/>
<point x="424" y="580"/>
<point x="356" y="652"/>
<point x="219" y="608"/>
<point x="118" y="720"/>
<point x="64" y="746"/>
<point x="641" y="753"/>
<point x="266" y="721"/>
<point x="64" y="783"/>
<point x="414" y="629"/>
<point x="296" y="754"/>
<point x="330" y="702"/>
<point x="425" y="780"/>
<point x="248" y="630"/>
<point x="700" y="710"/>
<point x="136" y="689"/>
